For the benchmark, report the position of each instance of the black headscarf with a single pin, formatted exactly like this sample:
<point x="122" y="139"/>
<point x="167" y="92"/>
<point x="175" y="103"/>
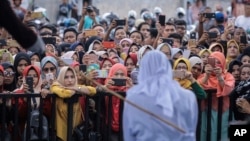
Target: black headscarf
<point x="20" y="56"/>
<point x="34" y="53"/>
<point x="12" y="86"/>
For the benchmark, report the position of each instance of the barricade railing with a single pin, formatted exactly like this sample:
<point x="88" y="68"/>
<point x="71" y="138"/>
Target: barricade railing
<point x="103" y="126"/>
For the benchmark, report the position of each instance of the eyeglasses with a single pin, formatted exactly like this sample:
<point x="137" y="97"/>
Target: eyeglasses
<point x="196" y="68"/>
<point x="47" y="69"/>
<point x="8" y="73"/>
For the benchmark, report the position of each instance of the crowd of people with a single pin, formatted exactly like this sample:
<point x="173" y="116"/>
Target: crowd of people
<point x="160" y="66"/>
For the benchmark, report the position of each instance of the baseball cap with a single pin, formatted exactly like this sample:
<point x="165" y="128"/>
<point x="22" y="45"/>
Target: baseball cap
<point x="219" y="17"/>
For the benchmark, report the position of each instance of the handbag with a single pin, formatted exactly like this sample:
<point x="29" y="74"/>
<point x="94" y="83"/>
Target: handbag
<point x="34" y="125"/>
<point x="79" y="130"/>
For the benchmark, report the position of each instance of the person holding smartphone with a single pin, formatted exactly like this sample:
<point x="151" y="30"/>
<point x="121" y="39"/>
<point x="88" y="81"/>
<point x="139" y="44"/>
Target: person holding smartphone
<point x="117" y="81"/>
<point x="223" y="82"/>
<point x="182" y="74"/>
<point x="30" y="87"/>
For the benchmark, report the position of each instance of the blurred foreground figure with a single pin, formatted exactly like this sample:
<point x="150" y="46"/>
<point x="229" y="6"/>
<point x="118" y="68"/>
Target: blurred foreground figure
<point x="160" y="94"/>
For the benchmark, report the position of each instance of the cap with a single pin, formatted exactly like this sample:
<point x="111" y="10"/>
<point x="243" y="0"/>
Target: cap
<point x="219" y="17"/>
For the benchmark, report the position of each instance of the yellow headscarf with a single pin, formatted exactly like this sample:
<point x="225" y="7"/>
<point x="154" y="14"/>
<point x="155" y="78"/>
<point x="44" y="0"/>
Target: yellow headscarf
<point x="214" y="45"/>
<point x="185" y="83"/>
<point x="203" y="51"/>
<point x="229" y="59"/>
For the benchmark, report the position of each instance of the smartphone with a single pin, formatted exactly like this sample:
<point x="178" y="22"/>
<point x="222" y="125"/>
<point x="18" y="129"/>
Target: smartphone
<point x="212" y="35"/>
<point x="119" y="82"/>
<point x="162" y="19"/>
<point x="83" y="67"/>
<point x="49" y="76"/>
<point x="169" y="41"/>
<point x="211" y="61"/>
<point x="29" y="82"/>
<point x="107" y="44"/>
<point x="230" y="21"/>
<point x="191" y="43"/>
<point x="36" y="15"/>
<point x="193" y="35"/>
<point x="38" y="64"/>
<point x="179" y="74"/>
<point x="209" y="15"/>
<point x="68" y="61"/>
<point x="102" y="73"/>
<point x="93" y="67"/>
<point x="120" y="22"/>
<point x="49" y="40"/>
<point x="90" y="33"/>
<point x="243" y="39"/>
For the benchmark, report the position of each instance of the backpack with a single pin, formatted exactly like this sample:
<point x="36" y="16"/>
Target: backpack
<point x="34" y="126"/>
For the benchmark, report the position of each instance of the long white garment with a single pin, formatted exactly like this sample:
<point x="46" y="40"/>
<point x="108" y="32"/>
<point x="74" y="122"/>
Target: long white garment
<point x="159" y="93"/>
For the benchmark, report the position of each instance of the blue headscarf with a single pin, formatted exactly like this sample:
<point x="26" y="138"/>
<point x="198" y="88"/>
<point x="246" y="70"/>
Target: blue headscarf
<point x="52" y="60"/>
<point x="156" y="79"/>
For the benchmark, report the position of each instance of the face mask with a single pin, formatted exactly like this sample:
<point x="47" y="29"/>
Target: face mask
<point x="125" y="49"/>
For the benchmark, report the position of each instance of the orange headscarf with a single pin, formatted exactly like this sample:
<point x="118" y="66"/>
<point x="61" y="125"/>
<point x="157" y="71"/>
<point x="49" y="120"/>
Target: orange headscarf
<point x="213" y="82"/>
<point x="112" y="72"/>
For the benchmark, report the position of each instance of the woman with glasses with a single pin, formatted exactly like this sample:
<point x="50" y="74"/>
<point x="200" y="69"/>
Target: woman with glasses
<point x="182" y="74"/>
<point x="9" y="77"/>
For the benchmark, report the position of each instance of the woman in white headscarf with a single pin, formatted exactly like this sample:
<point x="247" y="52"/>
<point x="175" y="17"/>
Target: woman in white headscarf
<point x="159" y="93"/>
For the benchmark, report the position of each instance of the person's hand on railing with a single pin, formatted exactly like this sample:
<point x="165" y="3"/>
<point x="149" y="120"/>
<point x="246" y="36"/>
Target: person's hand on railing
<point x="44" y="93"/>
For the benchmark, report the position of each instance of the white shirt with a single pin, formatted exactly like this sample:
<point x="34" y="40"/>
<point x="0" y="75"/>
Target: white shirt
<point x="242" y="21"/>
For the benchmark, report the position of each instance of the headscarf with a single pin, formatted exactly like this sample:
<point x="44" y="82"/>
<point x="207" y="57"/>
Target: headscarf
<point x="195" y="60"/>
<point x="175" y="51"/>
<point x="155" y="80"/>
<point x="133" y="56"/>
<point x="52" y="60"/>
<point x="74" y="45"/>
<point x="125" y="49"/>
<point x="230" y="68"/>
<point x="229" y="59"/>
<point x="133" y="44"/>
<point x="106" y="59"/>
<point x="91" y="46"/>
<point x="165" y="44"/>
<point x="213" y="82"/>
<point x="12" y="86"/>
<point x="214" y="45"/>
<point x="185" y="83"/>
<point x="89" y="41"/>
<point x="68" y="55"/>
<point x="111" y="74"/>
<point x="35" y="53"/>
<point x="61" y="75"/>
<point x="203" y="51"/>
<point x="119" y="58"/>
<point x="38" y="86"/>
<point x="21" y="56"/>
<point x="141" y="52"/>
